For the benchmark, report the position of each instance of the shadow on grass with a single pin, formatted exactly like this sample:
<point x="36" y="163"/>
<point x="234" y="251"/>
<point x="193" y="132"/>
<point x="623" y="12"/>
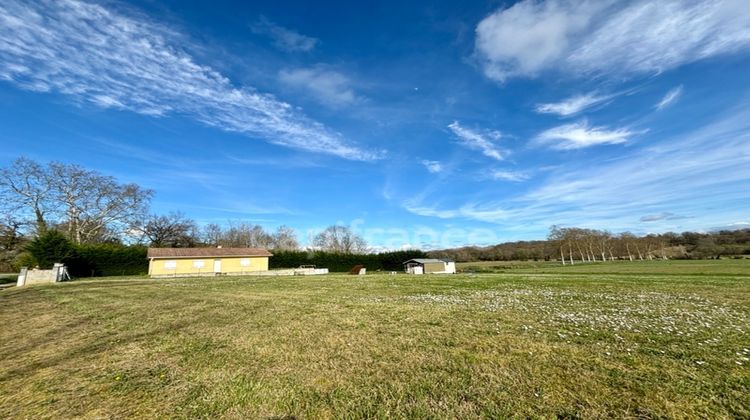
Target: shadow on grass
<point x="76" y="351"/>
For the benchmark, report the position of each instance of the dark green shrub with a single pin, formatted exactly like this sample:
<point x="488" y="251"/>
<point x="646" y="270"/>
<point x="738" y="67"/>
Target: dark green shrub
<point x="50" y="248"/>
<point x="338" y="262"/>
<point x="86" y="260"/>
<point x="113" y="259"/>
<point x="24" y="259"/>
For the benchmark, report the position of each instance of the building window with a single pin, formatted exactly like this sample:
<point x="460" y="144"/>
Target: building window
<point x="199" y="264"/>
<point x="245" y="262"/>
<point x="170" y="265"/>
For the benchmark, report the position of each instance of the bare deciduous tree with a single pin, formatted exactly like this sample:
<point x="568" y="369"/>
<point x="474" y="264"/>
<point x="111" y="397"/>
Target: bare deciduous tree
<point x="172" y="231"/>
<point x="25" y="190"/>
<point x="285" y="238"/>
<point x="87" y="204"/>
<point x="340" y="239"/>
<point x="95" y="203"/>
<point x="249" y="235"/>
<point x="246" y="235"/>
<point x="212" y="234"/>
<point x="558" y="236"/>
<point x="11" y="242"/>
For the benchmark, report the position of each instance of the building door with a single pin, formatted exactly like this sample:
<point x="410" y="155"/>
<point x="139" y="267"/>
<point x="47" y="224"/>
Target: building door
<point x="217" y="266"/>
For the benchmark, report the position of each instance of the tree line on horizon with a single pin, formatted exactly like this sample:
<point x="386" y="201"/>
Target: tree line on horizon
<point x="57" y="201"/>
<point x="105" y="222"/>
<point x="572" y="245"/>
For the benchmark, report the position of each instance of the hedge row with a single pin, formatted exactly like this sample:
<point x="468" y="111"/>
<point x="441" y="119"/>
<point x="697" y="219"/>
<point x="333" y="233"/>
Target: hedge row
<point x="84" y="260"/>
<point x="337" y="262"/>
<point x="110" y="260"/>
<point x="121" y="260"/>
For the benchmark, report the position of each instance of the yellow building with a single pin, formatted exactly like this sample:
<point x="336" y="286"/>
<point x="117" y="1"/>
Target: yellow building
<point x="170" y="262"/>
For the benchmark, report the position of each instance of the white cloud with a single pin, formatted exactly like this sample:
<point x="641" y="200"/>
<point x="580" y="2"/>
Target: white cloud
<point x="608" y="37"/>
<point x="433" y="166"/>
<point x="530" y="36"/>
<point x="572" y="105"/>
<point x="671" y="97"/>
<point x="702" y="173"/>
<point x="490" y="214"/>
<point x="732" y="226"/>
<point x="579" y="135"/>
<point x="328" y="86"/>
<point x="116" y="61"/>
<point x="512" y="176"/>
<point x="469" y="211"/>
<point x="432" y="212"/>
<point x="283" y="38"/>
<point x="660" y="216"/>
<point x="478" y="140"/>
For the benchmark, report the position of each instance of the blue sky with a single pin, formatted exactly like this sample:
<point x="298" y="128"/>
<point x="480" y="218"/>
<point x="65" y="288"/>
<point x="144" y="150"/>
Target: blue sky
<point x="419" y="124"/>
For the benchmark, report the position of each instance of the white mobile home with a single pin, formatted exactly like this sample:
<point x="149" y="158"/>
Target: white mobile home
<point x="430" y="266"/>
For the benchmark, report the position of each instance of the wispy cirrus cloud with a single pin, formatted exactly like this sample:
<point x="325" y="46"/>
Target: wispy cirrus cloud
<point x="580" y="135"/>
<point x="669" y="98"/>
<point x="609" y="194"/>
<point x="432" y="211"/>
<point x="469" y="211"/>
<point x="283" y="38"/>
<point x="481" y="140"/>
<point x="112" y="60"/>
<point x="732" y="226"/>
<point x="660" y="216"/>
<point x="573" y="105"/>
<point x="608" y="37"/>
<point x="433" y="166"/>
<point x="512" y="176"/>
<point x="328" y="86"/>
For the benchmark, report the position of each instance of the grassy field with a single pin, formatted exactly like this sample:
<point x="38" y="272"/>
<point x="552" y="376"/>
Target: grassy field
<point x="671" y="267"/>
<point x="665" y="343"/>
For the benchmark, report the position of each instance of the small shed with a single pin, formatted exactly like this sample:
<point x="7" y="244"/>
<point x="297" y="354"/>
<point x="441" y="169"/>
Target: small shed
<point x="430" y="266"/>
<point x="168" y="262"/>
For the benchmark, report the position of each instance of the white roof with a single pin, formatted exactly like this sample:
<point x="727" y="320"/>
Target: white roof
<point x="426" y="261"/>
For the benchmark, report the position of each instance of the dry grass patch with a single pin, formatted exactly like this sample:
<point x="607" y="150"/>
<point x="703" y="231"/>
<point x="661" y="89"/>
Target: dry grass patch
<point x="493" y="345"/>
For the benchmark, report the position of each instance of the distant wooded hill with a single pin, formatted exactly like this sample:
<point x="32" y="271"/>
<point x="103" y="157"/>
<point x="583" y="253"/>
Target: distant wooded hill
<point x="595" y="245"/>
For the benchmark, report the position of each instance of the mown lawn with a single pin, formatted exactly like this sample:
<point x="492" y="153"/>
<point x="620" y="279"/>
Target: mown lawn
<point x="484" y="345"/>
<point x="670" y="267"/>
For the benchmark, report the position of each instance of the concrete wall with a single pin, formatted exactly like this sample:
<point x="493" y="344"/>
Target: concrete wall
<point x="34" y="276"/>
